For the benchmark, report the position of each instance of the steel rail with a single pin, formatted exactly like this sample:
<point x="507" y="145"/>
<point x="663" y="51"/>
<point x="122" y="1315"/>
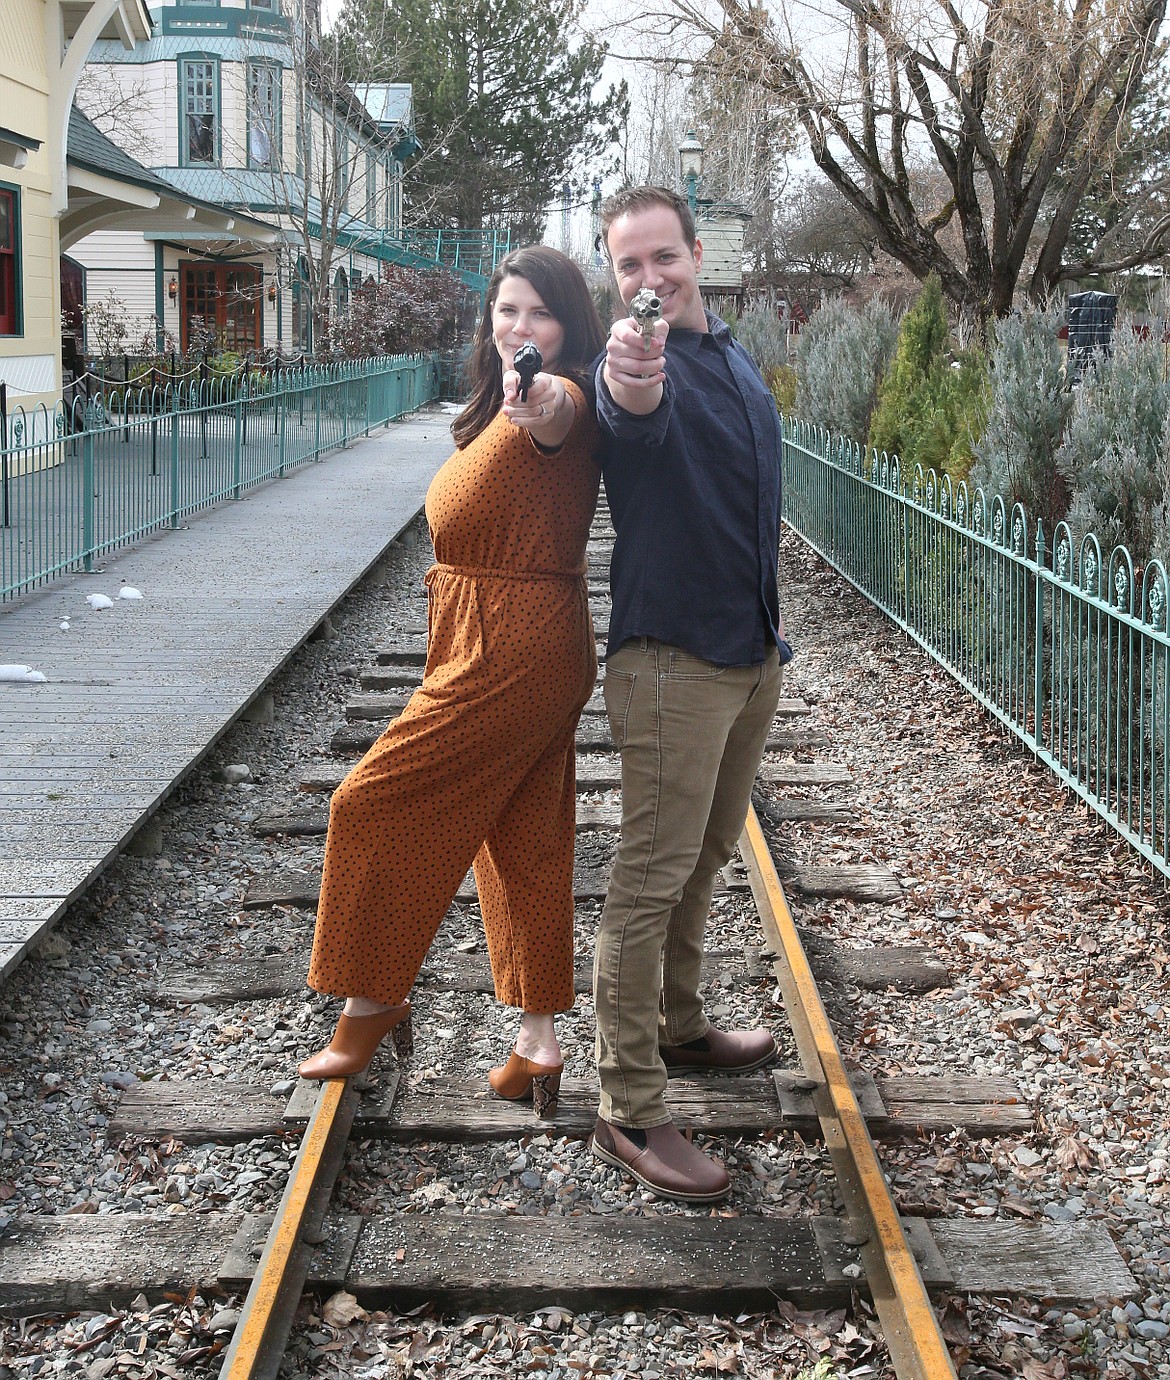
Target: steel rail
<point x="909" y="1325"/>
<point x="261" y="1334"/>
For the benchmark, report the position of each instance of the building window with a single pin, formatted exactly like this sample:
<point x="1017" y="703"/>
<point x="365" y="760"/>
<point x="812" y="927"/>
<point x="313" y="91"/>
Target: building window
<point x="340" y="293"/>
<point x="10" y="322"/>
<point x="272" y="6"/>
<point x="263" y="115"/>
<point x="371" y="190"/>
<point x="302" y="314"/>
<point x="225" y="299"/>
<point x="199" y="92"/>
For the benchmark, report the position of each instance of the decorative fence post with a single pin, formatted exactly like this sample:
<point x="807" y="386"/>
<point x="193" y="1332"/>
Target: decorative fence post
<point x="6" y="515"/>
<point x="245" y="382"/>
<point x="87" y="495"/>
<point x="238" y="455"/>
<point x="204" y="391"/>
<point x="153" y="422"/>
<point x="1038" y="636"/>
<point x="175" y="494"/>
<point x="906" y="563"/>
<point x="125" y="400"/>
<point x="317" y="441"/>
<point x="282" y="404"/>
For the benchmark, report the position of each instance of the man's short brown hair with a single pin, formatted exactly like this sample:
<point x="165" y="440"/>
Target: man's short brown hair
<point x="634" y="199"/>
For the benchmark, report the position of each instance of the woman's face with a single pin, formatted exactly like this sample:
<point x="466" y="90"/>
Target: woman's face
<point x="519" y="316"/>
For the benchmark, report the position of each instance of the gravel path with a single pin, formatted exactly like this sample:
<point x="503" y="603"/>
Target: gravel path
<point x="1055" y="933"/>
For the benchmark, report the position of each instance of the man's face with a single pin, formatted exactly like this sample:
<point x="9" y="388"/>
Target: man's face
<point x="648" y="250"/>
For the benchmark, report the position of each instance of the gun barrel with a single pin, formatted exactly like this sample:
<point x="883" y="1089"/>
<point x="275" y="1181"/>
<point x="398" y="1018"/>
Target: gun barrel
<point x="646" y="309"/>
<point x="528" y="362"/>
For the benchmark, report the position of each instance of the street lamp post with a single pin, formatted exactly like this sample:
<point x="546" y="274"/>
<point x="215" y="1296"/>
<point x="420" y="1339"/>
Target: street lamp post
<point x="690" y="164"/>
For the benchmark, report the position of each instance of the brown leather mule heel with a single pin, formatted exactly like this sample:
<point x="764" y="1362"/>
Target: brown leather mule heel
<point x="520" y="1077"/>
<point x="355" y="1040"/>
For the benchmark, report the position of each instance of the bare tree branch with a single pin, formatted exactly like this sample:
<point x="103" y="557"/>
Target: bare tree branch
<point x="1017" y="104"/>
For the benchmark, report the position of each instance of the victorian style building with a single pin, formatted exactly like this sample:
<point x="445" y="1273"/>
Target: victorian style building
<point x="230" y="102"/>
<point x="55" y="180"/>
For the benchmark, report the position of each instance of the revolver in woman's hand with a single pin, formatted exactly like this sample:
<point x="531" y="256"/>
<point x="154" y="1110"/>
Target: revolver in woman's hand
<point x="527" y="362"/>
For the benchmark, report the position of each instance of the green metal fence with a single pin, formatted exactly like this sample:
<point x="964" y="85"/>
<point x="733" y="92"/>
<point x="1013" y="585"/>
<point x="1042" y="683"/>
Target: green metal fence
<point x="105" y="471"/>
<point x="1067" y="648"/>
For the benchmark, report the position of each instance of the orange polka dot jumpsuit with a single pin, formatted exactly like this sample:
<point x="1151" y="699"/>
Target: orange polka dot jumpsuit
<point x="480" y="765"/>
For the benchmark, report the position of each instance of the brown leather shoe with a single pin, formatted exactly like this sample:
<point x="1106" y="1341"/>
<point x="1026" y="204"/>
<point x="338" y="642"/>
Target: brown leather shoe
<point x="520" y="1077"/>
<point x="721" y="1051"/>
<point x="355" y="1040"/>
<point x="662" y="1160"/>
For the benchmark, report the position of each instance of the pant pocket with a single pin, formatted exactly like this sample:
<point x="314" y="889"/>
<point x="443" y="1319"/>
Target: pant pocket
<point x="618" y="689"/>
<point x="682" y="665"/>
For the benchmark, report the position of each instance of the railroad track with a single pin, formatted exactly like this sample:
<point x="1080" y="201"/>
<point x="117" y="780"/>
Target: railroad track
<point x="689" y="1260"/>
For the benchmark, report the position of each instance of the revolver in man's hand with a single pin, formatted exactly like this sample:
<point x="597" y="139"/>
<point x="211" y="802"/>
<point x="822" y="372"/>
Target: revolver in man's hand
<point x="527" y="362"/>
<point x="646" y="309"/>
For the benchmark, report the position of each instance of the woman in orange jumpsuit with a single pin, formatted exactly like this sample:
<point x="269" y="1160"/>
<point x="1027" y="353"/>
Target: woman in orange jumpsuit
<point x="480" y="766"/>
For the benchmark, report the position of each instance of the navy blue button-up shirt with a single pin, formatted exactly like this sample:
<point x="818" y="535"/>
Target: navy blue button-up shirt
<point x="694" y="491"/>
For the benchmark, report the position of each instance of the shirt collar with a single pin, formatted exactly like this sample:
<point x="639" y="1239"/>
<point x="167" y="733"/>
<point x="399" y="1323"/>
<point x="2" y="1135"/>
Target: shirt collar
<point x="691" y="341"/>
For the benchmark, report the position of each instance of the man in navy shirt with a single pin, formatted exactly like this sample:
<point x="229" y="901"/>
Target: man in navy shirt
<point x="691" y="457"/>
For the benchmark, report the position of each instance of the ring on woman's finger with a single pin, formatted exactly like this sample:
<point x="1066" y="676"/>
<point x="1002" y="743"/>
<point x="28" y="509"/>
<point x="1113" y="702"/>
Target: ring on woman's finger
<point x="543" y="410"/>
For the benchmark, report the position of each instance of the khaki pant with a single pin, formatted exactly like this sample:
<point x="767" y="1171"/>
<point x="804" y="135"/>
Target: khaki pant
<point x="691" y="736"/>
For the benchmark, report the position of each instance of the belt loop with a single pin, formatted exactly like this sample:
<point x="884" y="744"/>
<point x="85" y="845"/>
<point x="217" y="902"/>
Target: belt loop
<point x="644" y="644"/>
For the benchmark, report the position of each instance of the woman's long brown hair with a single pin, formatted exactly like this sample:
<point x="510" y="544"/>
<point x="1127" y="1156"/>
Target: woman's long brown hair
<point x="561" y="286"/>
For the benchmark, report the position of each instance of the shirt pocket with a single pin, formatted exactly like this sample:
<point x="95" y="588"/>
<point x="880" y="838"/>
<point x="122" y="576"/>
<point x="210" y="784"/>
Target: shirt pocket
<point x="712" y="424"/>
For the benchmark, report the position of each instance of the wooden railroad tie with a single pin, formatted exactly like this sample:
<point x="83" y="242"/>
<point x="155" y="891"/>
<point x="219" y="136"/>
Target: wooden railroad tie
<point x="198" y="1111"/>
<point x="865" y="882"/>
<point x="382" y="706"/>
<point x="602" y="772"/>
<point x="454" y="1261"/>
<point x="241" y="978"/>
<point x="593" y="735"/>
<point x="310" y="821"/>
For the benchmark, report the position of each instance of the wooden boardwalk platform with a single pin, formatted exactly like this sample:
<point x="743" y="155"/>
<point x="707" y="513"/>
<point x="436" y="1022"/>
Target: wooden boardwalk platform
<point x="136" y="694"/>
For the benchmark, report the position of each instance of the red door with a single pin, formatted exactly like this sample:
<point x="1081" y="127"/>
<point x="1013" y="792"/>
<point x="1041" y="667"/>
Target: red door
<point x="225" y="300"/>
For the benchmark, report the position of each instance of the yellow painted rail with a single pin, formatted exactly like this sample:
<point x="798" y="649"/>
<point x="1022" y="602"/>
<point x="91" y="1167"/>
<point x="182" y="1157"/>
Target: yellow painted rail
<point x="262" y="1332"/>
<point x="911" y="1330"/>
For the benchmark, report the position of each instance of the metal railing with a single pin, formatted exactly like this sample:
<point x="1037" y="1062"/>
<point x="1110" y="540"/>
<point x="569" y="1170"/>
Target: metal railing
<point x="107" y="469"/>
<point x="1068" y="649"/>
<point x="473" y="251"/>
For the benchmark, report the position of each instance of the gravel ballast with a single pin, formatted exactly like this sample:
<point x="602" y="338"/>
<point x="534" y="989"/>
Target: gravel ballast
<point x="1054" y="932"/>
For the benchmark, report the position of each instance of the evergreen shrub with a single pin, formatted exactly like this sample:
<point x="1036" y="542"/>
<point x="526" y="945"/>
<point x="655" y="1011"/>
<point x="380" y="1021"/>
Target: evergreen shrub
<point x="1160" y="545"/>
<point x="840" y="357"/>
<point x="1027" y="410"/>
<point x="783" y="383"/>
<point x="764" y="336"/>
<point x="931" y="399"/>
<point x="1113" y="455"/>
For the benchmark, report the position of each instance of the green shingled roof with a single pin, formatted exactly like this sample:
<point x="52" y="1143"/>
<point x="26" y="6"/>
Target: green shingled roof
<point x="89" y="148"/>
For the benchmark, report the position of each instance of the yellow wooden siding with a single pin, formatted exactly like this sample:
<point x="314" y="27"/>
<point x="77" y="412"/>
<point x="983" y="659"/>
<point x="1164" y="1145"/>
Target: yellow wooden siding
<point x="24" y="108"/>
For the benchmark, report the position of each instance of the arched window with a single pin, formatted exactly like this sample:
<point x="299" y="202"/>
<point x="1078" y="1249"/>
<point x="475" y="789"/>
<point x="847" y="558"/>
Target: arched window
<point x="341" y="292"/>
